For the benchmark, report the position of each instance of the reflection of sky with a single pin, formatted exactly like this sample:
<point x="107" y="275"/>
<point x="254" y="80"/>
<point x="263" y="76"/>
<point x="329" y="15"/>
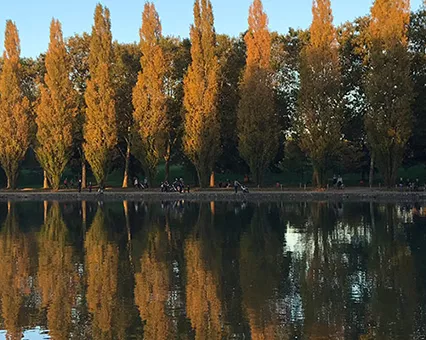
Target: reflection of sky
<point x="33" y="334"/>
<point x="359" y="286"/>
<point x="293" y="239"/>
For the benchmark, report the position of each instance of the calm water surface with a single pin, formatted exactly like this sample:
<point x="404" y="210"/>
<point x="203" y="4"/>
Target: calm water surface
<point x="134" y="270"/>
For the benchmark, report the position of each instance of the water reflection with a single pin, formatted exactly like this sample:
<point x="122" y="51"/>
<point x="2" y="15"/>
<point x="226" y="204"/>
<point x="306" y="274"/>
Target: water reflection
<point x="15" y="284"/>
<point x="203" y="253"/>
<point x="56" y="274"/>
<point x="212" y="270"/>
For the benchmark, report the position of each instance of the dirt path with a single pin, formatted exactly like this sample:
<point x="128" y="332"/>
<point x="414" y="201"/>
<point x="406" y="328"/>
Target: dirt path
<point x="352" y="194"/>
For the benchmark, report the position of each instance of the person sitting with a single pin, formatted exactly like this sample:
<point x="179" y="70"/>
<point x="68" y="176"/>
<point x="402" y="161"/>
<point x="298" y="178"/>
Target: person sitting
<point x="340" y="184"/>
<point x="334" y="181"/>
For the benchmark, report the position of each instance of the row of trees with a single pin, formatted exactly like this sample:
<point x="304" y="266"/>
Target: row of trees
<point x="327" y="96"/>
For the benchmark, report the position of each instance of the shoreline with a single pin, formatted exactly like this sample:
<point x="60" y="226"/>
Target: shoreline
<point x="354" y="195"/>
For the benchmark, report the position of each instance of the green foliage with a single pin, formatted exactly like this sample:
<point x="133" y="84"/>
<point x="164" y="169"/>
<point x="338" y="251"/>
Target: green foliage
<point x="389" y="88"/>
<point x="319" y="119"/>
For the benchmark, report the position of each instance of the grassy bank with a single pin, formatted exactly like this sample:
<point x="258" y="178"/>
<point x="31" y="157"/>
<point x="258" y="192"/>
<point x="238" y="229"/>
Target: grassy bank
<point x="33" y="177"/>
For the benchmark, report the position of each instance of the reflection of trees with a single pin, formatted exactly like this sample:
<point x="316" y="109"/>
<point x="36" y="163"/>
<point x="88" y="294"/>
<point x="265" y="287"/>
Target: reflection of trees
<point x="391" y="276"/>
<point x="102" y="272"/>
<point x="203" y="257"/>
<point x="260" y="269"/>
<point x="153" y="284"/>
<point x="356" y="274"/>
<point x="323" y="276"/>
<point x="15" y="271"/>
<point x="56" y="274"/>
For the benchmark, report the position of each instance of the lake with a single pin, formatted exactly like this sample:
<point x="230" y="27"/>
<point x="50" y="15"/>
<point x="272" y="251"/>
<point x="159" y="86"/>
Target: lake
<point x="212" y="270"/>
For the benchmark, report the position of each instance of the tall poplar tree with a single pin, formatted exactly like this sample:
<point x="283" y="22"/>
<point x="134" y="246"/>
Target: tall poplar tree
<point x="257" y="123"/>
<point x="389" y="90"/>
<point x="320" y="115"/>
<point x="202" y="128"/>
<point x="100" y="129"/>
<point x="14" y="109"/>
<point x="56" y="110"/>
<point x="149" y="99"/>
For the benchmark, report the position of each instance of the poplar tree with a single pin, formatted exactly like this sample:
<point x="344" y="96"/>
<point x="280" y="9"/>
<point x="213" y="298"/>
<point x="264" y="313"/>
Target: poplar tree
<point x="389" y="90"/>
<point x="202" y="128"/>
<point x="56" y="110"/>
<point x="100" y="129"/>
<point x="14" y="109"/>
<point x="149" y="99"/>
<point x="320" y="115"/>
<point x="257" y="123"/>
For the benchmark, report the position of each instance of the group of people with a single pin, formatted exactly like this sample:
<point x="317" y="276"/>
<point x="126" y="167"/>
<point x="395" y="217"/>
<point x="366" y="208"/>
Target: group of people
<point x="178" y="185"/>
<point x="140" y="185"/>
<point x="338" y="182"/>
<point x="410" y="185"/>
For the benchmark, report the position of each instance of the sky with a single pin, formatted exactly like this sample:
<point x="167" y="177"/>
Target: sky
<point x="33" y="17"/>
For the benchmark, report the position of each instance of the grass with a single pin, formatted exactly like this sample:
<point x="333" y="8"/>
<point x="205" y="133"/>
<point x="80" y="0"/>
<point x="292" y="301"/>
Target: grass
<point x="33" y="178"/>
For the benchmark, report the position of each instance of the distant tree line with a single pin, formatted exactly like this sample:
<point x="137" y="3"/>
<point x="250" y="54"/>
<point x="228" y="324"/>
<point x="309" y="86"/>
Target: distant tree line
<point x="348" y="98"/>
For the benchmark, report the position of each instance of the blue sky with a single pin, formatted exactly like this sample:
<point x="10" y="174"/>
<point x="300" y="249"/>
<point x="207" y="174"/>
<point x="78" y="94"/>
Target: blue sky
<point x="33" y="17"/>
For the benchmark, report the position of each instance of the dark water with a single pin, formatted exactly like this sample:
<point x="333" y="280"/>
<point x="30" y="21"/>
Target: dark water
<point x="129" y="270"/>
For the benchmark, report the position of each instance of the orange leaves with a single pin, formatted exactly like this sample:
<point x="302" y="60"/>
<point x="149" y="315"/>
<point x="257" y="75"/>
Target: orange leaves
<point x="256" y="121"/>
<point x="323" y="33"/>
<point x="258" y="38"/>
<point x="56" y="110"/>
<point x="100" y="130"/>
<point x="320" y="114"/>
<point x="14" y="109"/>
<point x="149" y="98"/>
<point x="390" y="20"/>
<point x="202" y="128"/>
<point x="389" y="90"/>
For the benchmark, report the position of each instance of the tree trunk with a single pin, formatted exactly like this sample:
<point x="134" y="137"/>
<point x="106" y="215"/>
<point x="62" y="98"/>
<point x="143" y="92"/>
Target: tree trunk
<point x="45" y="209"/>
<point x="167" y="164"/>
<point x="83" y="174"/>
<point x="370" y="177"/>
<point x="258" y="175"/>
<point x="129" y="232"/>
<point x="45" y="180"/>
<point x="212" y="179"/>
<point x="126" y="167"/>
<point x="11" y="181"/>
<point x="203" y="179"/>
<point x="55" y="182"/>
<point x="318" y="177"/>
<point x="84" y="216"/>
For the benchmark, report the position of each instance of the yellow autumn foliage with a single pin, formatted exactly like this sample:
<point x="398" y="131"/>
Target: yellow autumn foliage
<point x="149" y="98"/>
<point x="100" y="128"/>
<point x="56" y="110"/>
<point x="201" y="139"/>
<point x="14" y="109"/>
<point x="257" y="122"/>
